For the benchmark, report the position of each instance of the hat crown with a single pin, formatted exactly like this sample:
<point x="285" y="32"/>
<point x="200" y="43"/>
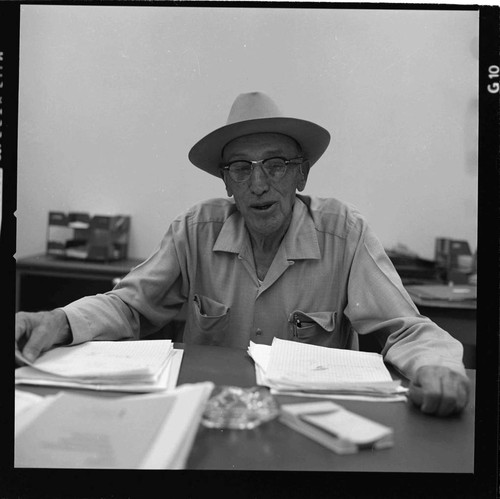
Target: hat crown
<point x="253" y="113"/>
<point x="252" y="106"/>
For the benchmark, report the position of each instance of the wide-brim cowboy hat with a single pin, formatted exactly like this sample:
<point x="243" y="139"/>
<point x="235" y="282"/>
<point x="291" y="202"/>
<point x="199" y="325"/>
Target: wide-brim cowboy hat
<point x="255" y="112"/>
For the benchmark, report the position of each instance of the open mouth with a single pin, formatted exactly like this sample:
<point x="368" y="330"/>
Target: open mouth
<point x="263" y="207"/>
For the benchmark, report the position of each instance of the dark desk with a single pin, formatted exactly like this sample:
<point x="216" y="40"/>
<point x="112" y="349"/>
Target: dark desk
<point x="45" y="282"/>
<point x="422" y="443"/>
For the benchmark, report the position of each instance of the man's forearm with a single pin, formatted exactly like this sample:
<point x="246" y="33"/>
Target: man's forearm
<point x="101" y="317"/>
<point x="422" y="343"/>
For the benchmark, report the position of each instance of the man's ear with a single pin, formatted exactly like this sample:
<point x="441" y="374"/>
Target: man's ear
<point x="303" y="173"/>
<point x="228" y="189"/>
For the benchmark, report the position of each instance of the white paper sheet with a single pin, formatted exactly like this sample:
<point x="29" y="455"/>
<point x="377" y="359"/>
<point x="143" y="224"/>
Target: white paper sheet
<point x="29" y="409"/>
<point x="351" y="426"/>
<point x="126" y="360"/>
<point x="315" y="365"/>
<point x="345" y="396"/>
<point x="25" y="400"/>
<point x="166" y="380"/>
<point x="87" y="431"/>
<point x="302" y="386"/>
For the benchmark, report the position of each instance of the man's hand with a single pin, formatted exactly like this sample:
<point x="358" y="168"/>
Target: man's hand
<point x="40" y="331"/>
<point x="439" y="390"/>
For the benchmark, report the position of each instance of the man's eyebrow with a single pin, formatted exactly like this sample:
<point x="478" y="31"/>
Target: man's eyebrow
<point x="271" y="153"/>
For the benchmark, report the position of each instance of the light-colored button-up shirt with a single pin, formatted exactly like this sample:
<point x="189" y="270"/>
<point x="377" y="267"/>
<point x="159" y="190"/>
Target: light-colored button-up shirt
<point x="329" y="282"/>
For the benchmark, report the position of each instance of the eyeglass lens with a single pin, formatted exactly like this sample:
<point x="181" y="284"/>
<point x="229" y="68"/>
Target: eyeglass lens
<point x="242" y="170"/>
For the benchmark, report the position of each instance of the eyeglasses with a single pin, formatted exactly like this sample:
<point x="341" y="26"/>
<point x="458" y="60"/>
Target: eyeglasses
<point x="274" y="168"/>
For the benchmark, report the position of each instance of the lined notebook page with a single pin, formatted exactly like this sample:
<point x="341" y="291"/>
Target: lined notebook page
<point x="302" y="363"/>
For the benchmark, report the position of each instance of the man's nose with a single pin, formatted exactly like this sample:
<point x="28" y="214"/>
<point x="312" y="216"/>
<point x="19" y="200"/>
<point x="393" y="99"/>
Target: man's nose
<point x="259" y="183"/>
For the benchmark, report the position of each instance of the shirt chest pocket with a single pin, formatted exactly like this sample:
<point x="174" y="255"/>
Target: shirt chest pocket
<point x="312" y="327"/>
<point x="210" y="321"/>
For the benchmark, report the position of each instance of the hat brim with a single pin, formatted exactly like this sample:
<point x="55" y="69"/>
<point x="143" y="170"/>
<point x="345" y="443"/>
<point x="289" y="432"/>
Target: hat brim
<point x="206" y="153"/>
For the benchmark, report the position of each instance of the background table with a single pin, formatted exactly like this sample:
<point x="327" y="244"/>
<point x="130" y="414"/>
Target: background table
<point x="456" y="317"/>
<point x="45" y="282"/>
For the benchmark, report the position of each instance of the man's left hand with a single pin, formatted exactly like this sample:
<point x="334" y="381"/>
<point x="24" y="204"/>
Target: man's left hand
<point x="439" y="390"/>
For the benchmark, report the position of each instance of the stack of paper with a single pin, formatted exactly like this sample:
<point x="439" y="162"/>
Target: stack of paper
<point x="295" y="368"/>
<point x="151" y="431"/>
<point x="131" y="366"/>
<point x="336" y="428"/>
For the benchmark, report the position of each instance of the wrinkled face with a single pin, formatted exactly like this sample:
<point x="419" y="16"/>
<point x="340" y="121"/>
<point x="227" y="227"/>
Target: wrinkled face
<point x="266" y="204"/>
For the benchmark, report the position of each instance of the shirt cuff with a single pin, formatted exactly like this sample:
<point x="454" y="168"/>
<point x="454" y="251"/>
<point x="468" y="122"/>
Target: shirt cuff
<point x="456" y="366"/>
<point x="81" y="329"/>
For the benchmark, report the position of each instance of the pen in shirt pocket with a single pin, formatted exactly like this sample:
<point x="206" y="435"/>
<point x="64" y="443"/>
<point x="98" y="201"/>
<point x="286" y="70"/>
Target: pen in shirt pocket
<point x="300" y="322"/>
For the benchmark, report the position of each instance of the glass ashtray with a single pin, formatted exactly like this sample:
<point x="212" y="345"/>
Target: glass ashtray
<point x="238" y="408"/>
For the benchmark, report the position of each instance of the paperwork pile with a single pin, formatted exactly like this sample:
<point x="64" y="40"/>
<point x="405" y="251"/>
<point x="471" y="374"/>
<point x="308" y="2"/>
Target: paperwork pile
<point x="293" y="368"/>
<point x="150" y="431"/>
<point x="128" y="366"/>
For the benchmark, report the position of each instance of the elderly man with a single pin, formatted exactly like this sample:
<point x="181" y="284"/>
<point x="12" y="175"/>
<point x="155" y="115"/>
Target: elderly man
<point x="270" y="263"/>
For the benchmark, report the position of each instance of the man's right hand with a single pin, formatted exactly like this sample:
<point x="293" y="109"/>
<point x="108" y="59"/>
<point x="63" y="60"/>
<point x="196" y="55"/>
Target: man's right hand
<point x="37" y="332"/>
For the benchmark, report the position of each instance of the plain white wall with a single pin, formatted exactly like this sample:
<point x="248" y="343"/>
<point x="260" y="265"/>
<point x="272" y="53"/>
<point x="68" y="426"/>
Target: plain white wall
<point x="112" y="98"/>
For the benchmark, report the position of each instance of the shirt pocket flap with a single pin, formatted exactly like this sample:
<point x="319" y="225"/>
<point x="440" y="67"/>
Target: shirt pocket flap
<point x="207" y="307"/>
<point x="326" y="320"/>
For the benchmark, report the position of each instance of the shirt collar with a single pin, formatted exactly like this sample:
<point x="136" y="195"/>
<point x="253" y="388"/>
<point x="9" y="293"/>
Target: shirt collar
<point x="233" y="237"/>
<point x="300" y="241"/>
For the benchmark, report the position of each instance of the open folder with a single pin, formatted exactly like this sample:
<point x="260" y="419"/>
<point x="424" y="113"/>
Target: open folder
<point x="148" y="431"/>
<point x="127" y="366"/>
